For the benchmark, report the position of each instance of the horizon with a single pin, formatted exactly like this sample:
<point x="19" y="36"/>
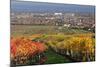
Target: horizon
<point x="30" y="6"/>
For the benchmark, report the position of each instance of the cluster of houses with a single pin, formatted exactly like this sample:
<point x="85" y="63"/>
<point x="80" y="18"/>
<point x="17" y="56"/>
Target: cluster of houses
<point x="56" y="19"/>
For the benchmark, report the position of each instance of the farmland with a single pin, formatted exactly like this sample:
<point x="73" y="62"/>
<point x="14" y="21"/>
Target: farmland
<point x="28" y="30"/>
<point x="58" y="44"/>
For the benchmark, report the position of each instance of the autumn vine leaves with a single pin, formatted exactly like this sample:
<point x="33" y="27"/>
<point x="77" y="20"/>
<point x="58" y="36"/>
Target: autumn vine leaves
<point x="80" y="47"/>
<point x="22" y="49"/>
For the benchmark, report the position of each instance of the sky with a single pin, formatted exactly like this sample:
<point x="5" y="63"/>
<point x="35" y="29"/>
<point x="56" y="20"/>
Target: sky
<point x="49" y="7"/>
<point x="84" y="2"/>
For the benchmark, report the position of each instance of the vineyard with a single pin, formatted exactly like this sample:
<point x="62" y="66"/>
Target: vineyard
<point x="45" y="49"/>
<point x="23" y="50"/>
<point x="34" y="45"/>
<point x="77" y="48"/>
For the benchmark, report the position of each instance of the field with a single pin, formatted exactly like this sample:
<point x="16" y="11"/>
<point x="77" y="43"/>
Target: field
<point x="28" y="30"/>
<point x="50" y="45"/>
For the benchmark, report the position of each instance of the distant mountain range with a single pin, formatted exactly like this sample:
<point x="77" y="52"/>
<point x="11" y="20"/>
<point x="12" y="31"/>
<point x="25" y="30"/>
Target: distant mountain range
<point x="27" y="6"/>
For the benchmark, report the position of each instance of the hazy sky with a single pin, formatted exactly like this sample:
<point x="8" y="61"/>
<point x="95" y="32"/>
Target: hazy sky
<point x="47" y="7"/>
<point x="87" y="2"/>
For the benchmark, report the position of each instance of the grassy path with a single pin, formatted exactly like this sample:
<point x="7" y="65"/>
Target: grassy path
<point x="54" y="58"/>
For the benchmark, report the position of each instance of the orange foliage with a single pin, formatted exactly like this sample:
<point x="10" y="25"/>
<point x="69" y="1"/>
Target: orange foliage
<point x="25" y="48"/>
